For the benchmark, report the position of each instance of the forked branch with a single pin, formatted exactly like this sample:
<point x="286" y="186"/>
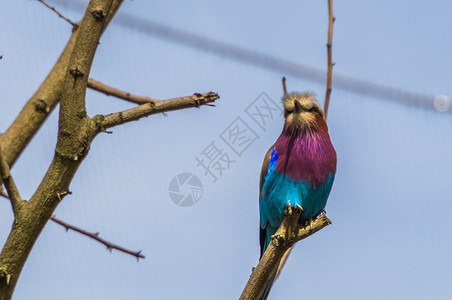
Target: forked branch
<point x="10" y="186"/>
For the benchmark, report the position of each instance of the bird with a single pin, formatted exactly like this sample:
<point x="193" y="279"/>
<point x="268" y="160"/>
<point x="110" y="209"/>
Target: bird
<point x="298" y="169"/>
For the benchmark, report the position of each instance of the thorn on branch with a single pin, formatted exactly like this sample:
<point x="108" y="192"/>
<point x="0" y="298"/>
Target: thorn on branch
<point x="106" y="131"/>
<point x="63" y="194"/>
<point x="138" y="255"/>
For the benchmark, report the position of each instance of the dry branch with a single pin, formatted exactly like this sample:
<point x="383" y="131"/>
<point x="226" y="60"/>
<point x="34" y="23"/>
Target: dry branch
<point x="284" y="86"/>
<point x="329" y="45"/>
<point x="95" y="236"/>
<point x="110" y="91"/>
<point x="285" y="237"/>
<point x="161" y="106"/>
<point x="110" y="246"/>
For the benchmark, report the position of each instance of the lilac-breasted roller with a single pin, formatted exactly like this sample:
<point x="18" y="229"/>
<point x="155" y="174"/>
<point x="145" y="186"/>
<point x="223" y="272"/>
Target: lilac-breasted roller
<point x="298" y="169"/>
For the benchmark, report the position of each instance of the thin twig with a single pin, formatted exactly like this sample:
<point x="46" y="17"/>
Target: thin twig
<point x="110" y="91"/>
<point x="9" y="184"/>
<point x="58" y="13"/>
<point x="284" y="85"/>
<point x="161" y="106"/>
<point x="3" y="194"/>
<point x="287" y="235"/>
<point x="95" y="236"/>
<point x="329" y="76"/>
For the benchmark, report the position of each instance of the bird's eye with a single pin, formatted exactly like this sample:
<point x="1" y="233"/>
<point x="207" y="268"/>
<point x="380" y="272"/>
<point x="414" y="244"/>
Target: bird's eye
<point x="314" y="109"/>
<point x="287" y="112"/>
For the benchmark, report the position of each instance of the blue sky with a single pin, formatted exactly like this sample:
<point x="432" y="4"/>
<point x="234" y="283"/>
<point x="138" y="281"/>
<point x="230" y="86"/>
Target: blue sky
<point x="390" y="203"/>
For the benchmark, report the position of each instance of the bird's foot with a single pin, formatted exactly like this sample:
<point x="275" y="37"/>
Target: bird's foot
<point x="291" y="209"/>
<point x="277" y="240"/>
<point x="308" y="223"/>
<point x="321" y="213"/>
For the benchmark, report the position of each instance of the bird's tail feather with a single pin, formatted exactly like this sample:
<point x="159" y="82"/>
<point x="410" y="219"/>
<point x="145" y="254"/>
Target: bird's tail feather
<point x="268" y="287"/>
<point x="283" y="262"/>
<point x="275" y="275"/>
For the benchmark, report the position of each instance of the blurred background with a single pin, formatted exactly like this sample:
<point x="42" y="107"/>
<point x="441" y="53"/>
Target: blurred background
<point x="183" y="186"/>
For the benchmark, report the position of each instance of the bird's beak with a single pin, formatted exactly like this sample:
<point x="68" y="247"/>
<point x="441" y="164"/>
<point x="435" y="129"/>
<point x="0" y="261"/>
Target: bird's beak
<point x="297" y="107"/>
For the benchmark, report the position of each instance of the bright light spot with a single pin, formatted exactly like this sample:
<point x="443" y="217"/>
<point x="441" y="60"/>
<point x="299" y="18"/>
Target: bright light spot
<point x="441" y="103"/>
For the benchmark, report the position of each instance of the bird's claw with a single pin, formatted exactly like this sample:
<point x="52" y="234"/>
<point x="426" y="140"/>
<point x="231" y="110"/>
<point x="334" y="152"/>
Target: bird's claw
<point x="290" y="209"/>
<point x="277" y="240"/>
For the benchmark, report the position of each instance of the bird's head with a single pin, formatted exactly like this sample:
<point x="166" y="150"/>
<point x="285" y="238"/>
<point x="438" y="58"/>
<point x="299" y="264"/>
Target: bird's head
<point x="302" y="112"/>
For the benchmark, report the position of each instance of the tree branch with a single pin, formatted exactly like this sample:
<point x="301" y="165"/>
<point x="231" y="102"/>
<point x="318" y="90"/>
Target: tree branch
<point x="95" y="236"/>
<point x="329" y="76"/>
<point x="110" y="91"/>
<point x="74" y="25"/>
<point x="285" y="237"/>
<point x="73" y="120"/>
<point x="76" y="132"/>
<point x="11" y="188"/>
<point x="161" y="106"/>
<point x="284" y="86"/>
